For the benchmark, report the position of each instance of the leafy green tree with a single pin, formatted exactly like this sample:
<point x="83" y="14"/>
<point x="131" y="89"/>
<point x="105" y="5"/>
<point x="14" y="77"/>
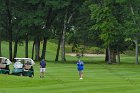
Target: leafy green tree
<point x="107" y="15"/>
<point x="79" y="26"/>
<point x="66" y="15"/>
<point x="7" y="17"/>
<point x="132" y="25"/>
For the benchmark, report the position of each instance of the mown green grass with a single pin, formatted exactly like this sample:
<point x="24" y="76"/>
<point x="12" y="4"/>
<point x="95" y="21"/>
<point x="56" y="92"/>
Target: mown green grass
<point x="99" y="77"/>
<point x="63" y="78"/>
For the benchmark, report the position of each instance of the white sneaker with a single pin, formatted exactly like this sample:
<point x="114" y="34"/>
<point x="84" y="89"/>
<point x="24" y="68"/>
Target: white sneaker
<point x="81" y="78"/>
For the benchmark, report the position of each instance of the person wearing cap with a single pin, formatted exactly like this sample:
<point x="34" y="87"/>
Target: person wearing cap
<point x="42" y="68"/>
<point x="80" y="68"/>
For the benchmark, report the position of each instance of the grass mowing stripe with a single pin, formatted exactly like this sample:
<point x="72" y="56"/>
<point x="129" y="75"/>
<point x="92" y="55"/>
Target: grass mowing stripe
<point x="63" y="78"/>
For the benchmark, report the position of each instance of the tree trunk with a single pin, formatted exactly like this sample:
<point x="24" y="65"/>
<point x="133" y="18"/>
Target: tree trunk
<point x="106" y="56"/>
<point x="26" y="46"/>
<point x="132" y="11"/>
<point x="118" y="56"/>
<point x="9" y="25"/>
<point x="10" y="47"/>
<point x="44" y="48"/>
<point x="15" y="48"/>
<point x="109" y="56"/>
<point x="113" y="57"/>
<point x="58" y="48"/>
<point x="63" y="43"/>
<point x="136" y="39"/>
<point x="136" y="45"/>
<point x="0" y="45"/>
<point x="33" y="49"/>
<point x="37" y="49"/>
<point x="66" y="22"/>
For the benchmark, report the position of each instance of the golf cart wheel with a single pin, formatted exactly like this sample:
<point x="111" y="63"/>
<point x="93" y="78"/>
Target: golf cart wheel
<point x="20" y="74"/>
<point x="7" y="73"/>
<point x="31" y="76"/>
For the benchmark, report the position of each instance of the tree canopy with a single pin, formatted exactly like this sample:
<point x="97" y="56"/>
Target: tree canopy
<point x="108" y="24"/>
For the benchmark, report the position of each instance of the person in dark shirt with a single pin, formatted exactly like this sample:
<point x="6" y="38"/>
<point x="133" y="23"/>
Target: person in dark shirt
<point x="42" y="68"/>
<point x="80" y="68"/>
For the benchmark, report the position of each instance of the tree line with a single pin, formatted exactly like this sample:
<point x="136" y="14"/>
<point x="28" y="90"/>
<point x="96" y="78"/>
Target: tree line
<point x="110" y="24"/>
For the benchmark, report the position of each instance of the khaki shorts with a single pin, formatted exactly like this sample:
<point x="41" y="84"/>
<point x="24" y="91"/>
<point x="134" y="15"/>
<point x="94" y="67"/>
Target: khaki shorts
<point x="81" y="71"/>
<point x="42" y="69"/>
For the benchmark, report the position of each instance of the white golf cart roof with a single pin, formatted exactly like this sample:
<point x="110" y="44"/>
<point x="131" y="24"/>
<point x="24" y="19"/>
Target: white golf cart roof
<point x="3" y="58"/>
<point x="23" y="58"/>
<point x="7" y="61"/>
<point x="28" y="59"/>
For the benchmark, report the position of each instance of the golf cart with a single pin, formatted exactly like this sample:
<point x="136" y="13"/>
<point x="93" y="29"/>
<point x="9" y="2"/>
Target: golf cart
<point x="23" y="67"/>
<point x="4" y="65"/>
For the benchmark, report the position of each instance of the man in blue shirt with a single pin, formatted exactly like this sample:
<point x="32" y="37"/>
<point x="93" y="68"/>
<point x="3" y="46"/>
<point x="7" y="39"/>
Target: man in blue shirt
<point x="42" y="68"/>
<point x="80" y="68"/>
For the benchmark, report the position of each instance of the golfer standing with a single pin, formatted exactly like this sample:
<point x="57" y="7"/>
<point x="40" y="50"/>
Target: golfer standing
<point x="42" y="68"/>
<point x="80" y="68"/>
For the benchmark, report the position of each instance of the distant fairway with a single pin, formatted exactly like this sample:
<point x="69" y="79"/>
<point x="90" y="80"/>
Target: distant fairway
<point x="63" y="78"/>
